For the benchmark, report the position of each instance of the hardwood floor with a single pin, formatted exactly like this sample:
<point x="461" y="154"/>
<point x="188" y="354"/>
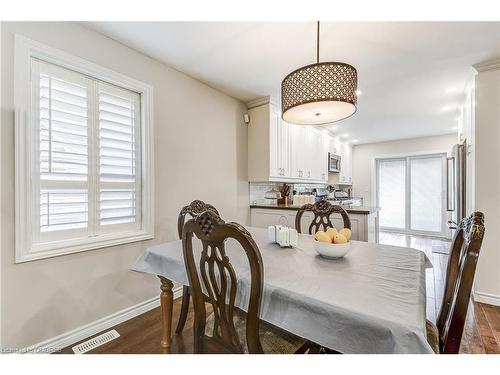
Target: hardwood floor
<point x="481" y="335"/>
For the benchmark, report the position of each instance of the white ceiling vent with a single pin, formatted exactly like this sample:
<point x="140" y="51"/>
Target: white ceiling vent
<point x="93" y="343"/>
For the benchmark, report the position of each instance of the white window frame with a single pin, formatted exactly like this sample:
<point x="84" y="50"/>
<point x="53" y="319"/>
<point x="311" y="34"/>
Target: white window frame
<point x="26" y="249"/>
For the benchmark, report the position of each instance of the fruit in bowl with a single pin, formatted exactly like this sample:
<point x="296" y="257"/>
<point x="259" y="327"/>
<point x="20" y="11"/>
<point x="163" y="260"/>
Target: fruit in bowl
<point x="332" y="243"/>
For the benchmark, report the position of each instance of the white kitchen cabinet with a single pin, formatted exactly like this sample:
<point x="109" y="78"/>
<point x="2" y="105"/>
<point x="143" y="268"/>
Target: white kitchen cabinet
<point x="274" y="143"/>
<point x="335" y="146"/>
<point x="344" y="150"/>
<point x="284" y="161"/>
<point x="345" y="175"/>
<point x="298" y="151"/>
<point x="268" y="145"/>
<point x="318" y="156"/>
<point x="278" y="151"/>
<point x="279" y="146"/>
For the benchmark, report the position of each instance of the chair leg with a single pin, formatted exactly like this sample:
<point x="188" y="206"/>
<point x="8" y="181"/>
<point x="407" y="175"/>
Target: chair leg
<point x="186" y="295"/>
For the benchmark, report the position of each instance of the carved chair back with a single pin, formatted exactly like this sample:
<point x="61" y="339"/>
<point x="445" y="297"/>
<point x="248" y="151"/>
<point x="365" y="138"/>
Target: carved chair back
<point x="193" y="209"/>
<point x="459" y="278"/>
<point x="213" y="272"/>
<point x="321" y="221"/>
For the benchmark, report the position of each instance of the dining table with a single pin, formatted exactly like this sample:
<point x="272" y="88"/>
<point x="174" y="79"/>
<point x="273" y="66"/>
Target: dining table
<point x="372" y="300"/>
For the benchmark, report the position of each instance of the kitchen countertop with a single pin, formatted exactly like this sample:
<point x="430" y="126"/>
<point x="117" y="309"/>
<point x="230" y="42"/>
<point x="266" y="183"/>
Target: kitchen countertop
<point x="350" y="209"/>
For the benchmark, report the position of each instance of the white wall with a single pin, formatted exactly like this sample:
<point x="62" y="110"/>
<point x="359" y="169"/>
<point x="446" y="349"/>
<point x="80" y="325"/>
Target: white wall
<point x="364" y="159"/>
<point x="200" y="152"/>
<point x="487" y="181"/>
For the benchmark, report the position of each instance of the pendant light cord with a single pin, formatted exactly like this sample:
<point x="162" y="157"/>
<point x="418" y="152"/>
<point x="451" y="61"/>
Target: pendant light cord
<point x="317" y="42"/>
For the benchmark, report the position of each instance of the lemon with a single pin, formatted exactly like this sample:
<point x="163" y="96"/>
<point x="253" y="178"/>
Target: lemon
<point x="331" y="232"/>
<point x="322" y="237"/>
<point x="339" y="238"/>
<point x="318" y="233"/>
<point x="346" y="232"/>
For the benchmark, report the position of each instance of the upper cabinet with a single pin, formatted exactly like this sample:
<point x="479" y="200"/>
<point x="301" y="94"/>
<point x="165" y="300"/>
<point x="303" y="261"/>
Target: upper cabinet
<point x="278" y="151"/>
<point x="345" y="175"/>
<point x="344" y="150"/>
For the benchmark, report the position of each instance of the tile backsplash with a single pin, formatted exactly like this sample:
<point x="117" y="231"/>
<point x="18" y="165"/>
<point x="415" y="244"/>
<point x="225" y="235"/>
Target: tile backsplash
<point x="257" y="190"/>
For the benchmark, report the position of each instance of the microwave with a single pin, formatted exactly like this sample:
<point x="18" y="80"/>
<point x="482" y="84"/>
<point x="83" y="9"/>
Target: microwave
<point x="333" y="163"/>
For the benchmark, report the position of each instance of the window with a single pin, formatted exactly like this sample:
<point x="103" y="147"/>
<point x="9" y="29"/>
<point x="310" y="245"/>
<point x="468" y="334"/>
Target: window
<point x="83" y="146"/>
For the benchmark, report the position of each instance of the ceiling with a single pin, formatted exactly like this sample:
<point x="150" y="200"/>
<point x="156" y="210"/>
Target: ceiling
<point x="411" y="74"/>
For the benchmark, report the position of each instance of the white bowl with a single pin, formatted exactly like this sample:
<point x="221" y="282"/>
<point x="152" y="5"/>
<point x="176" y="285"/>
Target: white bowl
<point x="332" y="250"/>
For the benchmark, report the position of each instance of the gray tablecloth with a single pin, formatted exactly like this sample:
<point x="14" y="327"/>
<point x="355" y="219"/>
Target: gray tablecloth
<point x="371" y="301"/>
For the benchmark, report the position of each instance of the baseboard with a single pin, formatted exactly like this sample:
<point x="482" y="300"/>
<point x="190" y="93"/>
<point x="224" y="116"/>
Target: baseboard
<point x="83" y="332"/>
<point x="490" y="299"/>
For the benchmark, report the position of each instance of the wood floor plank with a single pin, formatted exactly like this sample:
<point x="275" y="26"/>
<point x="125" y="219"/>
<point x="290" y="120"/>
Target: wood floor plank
<point x="488" y="337"/>
<point x="484" y="329"/>
<point x="492" y="314"/>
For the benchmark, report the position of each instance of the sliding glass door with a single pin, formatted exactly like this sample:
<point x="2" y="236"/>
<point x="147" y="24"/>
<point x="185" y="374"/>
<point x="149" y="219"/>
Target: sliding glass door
<point x="392" y="193"/>
<point x="410" y="192"/>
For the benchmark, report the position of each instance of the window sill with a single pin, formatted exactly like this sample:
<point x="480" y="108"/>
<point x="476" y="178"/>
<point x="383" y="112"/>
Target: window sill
<point x="69" y="247"/>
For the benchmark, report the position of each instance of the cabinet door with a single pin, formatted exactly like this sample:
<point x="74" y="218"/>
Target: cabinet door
<point x="274" y="149"/>
<point x="309" y="154"/>
<point x="333" y="147"/>
<point x="320" y="152"/>
<point x="297" y="151"/>
<point x="284" y="148"/>
<point x="324" y="162"/>
<point x="348" y="153"/>
<point x="342" y="177"/>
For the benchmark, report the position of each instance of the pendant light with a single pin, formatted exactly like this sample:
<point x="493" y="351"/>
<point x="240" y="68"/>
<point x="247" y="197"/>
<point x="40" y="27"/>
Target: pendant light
<point x="319" y="93"/>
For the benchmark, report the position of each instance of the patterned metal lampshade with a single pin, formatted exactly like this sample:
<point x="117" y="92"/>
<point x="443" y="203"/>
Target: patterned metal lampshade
<point x="319" y="93"/>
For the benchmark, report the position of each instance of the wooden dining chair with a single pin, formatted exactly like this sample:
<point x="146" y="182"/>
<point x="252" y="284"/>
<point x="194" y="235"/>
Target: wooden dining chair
<point x="193" y="209"/>
<point x="228" y="329"/>
<point x="321" y="221"/>
<point x="446" y="335"/>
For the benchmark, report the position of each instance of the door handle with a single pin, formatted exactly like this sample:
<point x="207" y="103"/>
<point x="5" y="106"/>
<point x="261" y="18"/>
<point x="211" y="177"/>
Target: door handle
<point x="450" y="184"/>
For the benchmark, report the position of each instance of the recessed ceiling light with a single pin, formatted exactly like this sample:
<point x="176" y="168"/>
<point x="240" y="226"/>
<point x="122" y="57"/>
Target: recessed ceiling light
<point x="334" y="128"/>
<point x="345" y="135"/>
<point x="354" y="141"/>
<point x="446" y="108"/>
<point x="359" y="92"/>
<point x="450" y="90"/>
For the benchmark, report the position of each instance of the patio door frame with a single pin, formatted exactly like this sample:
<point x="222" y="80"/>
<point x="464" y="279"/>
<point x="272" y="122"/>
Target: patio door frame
<point x="407" y="158"/>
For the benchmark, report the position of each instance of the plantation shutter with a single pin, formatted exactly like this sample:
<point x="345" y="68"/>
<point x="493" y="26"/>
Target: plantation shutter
<point x="119" y="120"/>
<point x="63" y="147"/>
<point x="87" y="179"/>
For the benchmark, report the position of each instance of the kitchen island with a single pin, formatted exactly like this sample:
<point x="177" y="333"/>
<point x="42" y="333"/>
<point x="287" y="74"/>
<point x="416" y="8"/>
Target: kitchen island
<point x="364" y="220"/>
